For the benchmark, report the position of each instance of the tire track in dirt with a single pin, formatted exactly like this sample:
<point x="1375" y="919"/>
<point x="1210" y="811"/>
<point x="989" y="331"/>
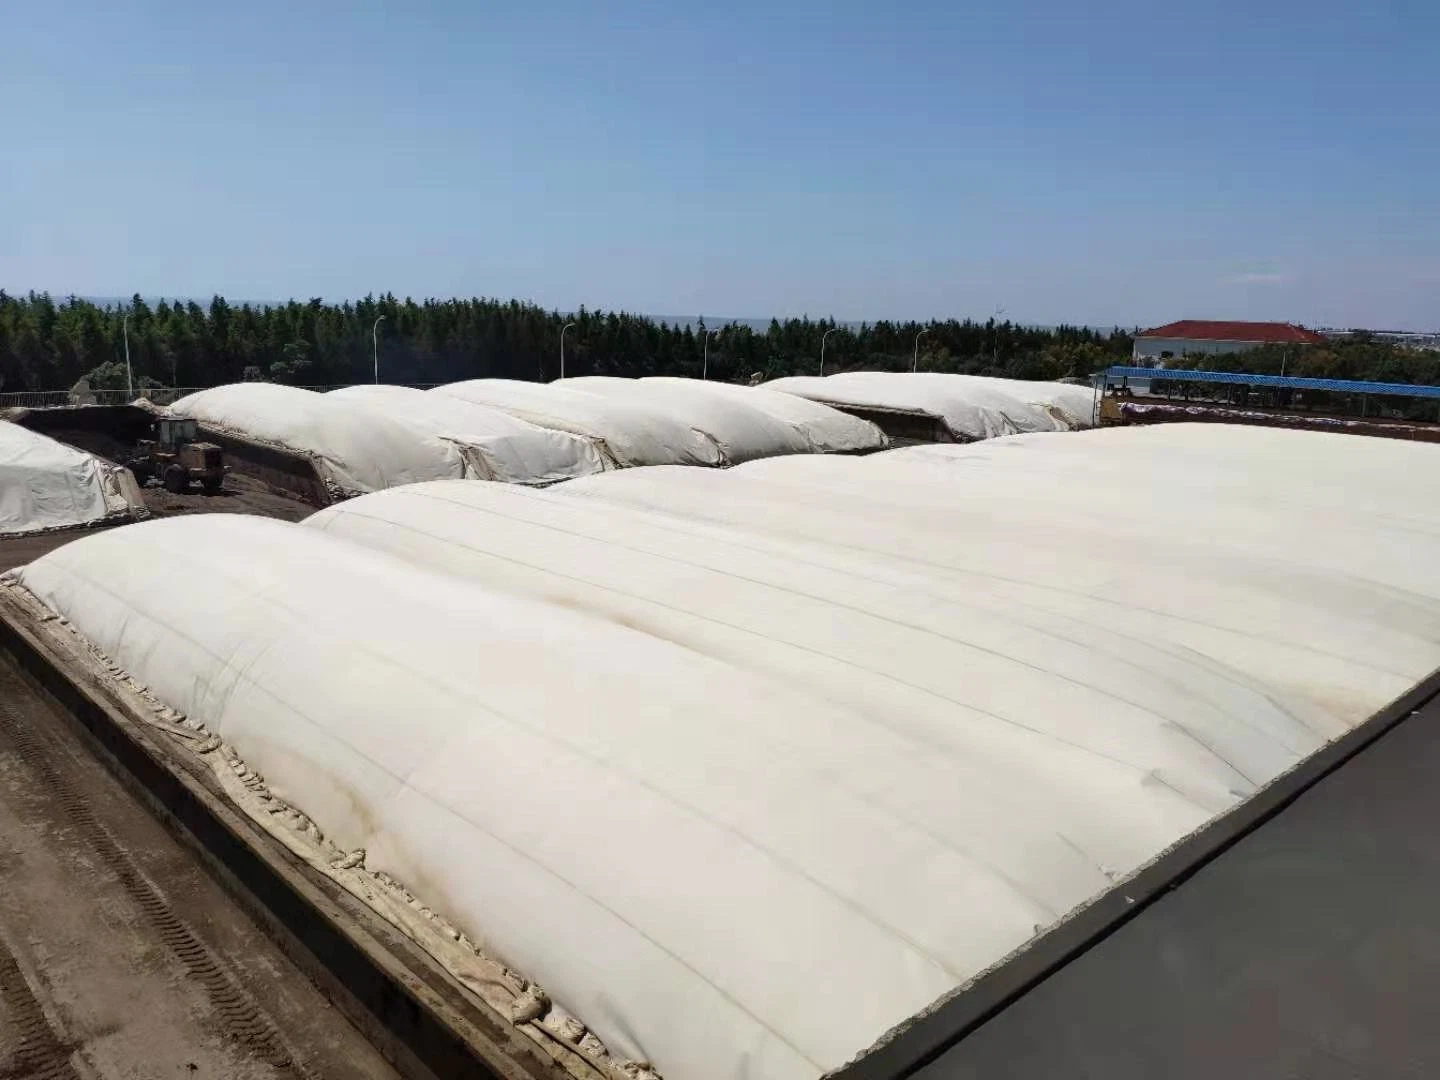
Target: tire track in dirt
<point x="241" y="1019"/>
<point x="34" y="1050"/>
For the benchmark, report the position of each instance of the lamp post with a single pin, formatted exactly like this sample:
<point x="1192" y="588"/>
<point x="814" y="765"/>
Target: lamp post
<point x="129" y="377"/>
<point x="375" y="346"/>
<point x="915" y="359"/>
<point x="822" y="347"/>
<point x="705" y="362"/>
<point x="567" y="326"/>
<point x="995" y="347"/>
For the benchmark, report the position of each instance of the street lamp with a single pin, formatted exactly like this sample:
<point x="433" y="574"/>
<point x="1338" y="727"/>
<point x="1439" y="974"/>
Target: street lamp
<point x="915" y="359"/>
<point x="129" y="377"/>
<point x="822" y="347"/>
<point x="705" y="362"/>
<point x="375" y="346"/>
<point x="562" y="347"/>
<point x="995" y="347"/>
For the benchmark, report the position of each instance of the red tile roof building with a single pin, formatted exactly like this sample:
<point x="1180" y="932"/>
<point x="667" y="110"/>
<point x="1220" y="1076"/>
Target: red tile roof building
<point x="1260" y="333"/>
<point x="1205" y="336"/>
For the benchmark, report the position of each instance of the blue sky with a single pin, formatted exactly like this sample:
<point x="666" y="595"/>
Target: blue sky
<point x="1125" y="161"/>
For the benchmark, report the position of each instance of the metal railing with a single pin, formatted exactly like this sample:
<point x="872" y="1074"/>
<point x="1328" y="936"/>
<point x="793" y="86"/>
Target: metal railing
<point x="35" y="399"/>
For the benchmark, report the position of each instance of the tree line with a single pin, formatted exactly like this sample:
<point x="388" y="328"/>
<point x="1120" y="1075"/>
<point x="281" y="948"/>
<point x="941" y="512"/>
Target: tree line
<point x="50" y="345"/>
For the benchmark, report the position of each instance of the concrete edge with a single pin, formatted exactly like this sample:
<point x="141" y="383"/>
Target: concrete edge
<point x="929" y="1034"/>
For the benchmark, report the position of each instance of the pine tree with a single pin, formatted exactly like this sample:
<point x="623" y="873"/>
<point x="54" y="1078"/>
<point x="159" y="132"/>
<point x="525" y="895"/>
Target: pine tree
<point x="47" y="346"/>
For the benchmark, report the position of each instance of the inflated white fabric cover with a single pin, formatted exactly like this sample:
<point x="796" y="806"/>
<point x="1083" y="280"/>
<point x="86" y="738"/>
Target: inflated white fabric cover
<point x="356" y="447"/>
<point x="742" y="433"/>
<point x="45" y="484"/>
<point x="827" y="430"/>
<point x="1240" y="543"/>
<point x="1073" y="406"/>
<point x="496" y="445"/>
<point x="746" y="767"/>
<point x="632" y="434"/>
<point x="973" y="408"/>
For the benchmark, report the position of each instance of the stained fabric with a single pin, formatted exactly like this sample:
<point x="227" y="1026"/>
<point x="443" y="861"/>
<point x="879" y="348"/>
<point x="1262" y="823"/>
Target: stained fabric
<point x="747" y="767"/>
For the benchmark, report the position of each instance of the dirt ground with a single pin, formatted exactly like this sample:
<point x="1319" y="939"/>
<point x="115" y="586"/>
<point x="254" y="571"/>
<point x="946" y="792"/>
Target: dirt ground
<point x="19" y="550"/>
<point x="240" y="495"/>
<point x="119" y="956"/>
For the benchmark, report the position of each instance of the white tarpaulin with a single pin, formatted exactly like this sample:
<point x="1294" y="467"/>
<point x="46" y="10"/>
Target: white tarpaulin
<point x="827" y="430"/>
<point x="1072" y="406"/>
<point x="972" y="407"/>
<point x="1144" y="511"/>
<point x="496" y="445"/>
<point x="356" y="447"/>
<point x="742" y="432"/>
<point x="632" y="434"/>
<point x="747" y="767"/>
<point x="45" y="484"/>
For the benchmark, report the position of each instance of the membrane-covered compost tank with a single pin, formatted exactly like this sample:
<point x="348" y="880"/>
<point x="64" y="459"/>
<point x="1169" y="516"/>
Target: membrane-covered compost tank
<point x="45" y="485"/>
<point x="495" y="445"/>
<point x="355" y="446"/>
<point x="746" y="768"/>
<point x="971" y="407"/>
<point x="631" y="432"/>
<point x="827" y="430"/>
<point x="674" y="421"/>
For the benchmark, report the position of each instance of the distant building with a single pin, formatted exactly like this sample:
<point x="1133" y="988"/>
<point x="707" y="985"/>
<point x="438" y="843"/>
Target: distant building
<point x="1428" y="341"/>
<point x="1154" y="347"/>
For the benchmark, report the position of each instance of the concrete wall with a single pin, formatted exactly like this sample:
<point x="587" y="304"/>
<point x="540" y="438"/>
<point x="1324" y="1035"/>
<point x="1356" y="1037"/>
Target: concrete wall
<point x="295" y="474"/>
<point x="124" y="423"/>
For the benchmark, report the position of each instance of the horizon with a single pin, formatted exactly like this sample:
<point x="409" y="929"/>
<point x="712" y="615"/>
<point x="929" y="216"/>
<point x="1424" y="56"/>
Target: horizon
<point x="756" y="322"/>
<point x="1123" y="167"/>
